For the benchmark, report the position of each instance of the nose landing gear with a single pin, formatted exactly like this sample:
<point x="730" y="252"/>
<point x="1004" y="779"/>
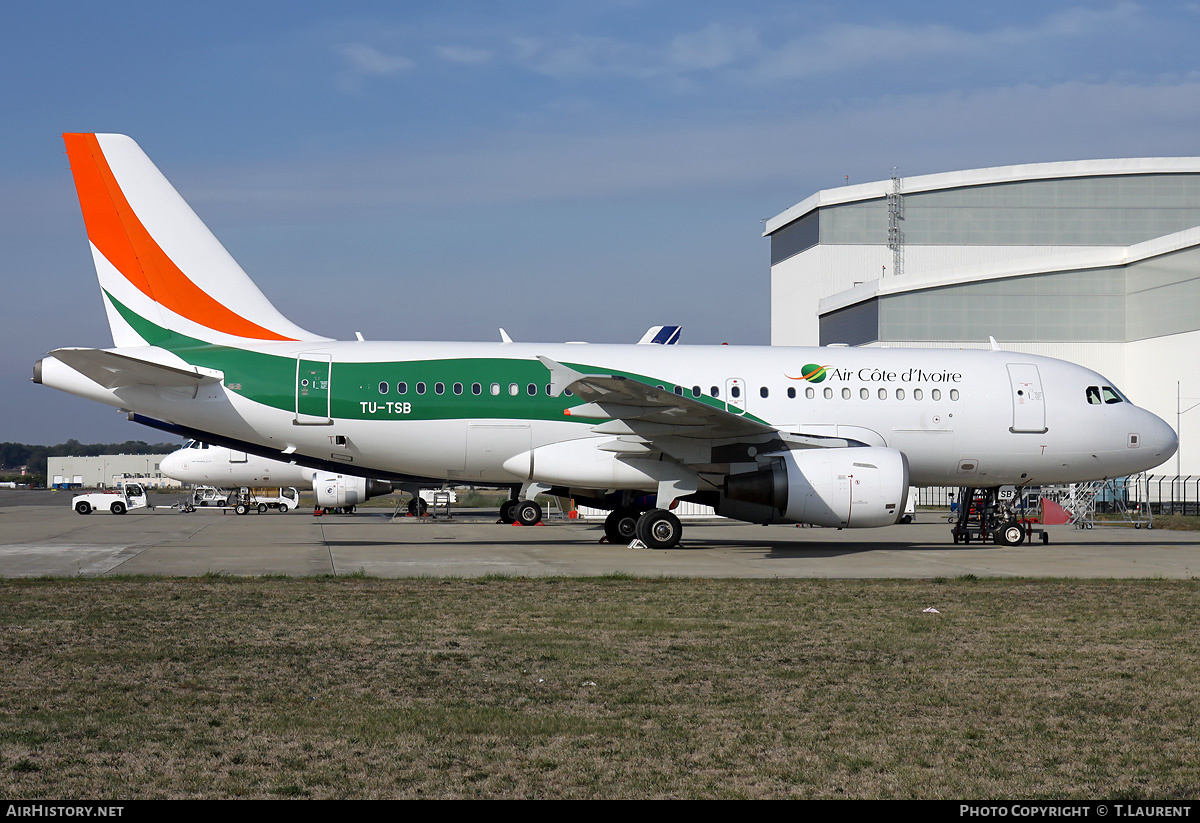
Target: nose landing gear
<point x="982" y="515"/>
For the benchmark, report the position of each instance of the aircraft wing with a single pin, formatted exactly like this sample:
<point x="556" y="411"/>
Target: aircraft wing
<point x="113" y="370"/>
<point x="633" y="407"/>
<point x="653" y="414"/>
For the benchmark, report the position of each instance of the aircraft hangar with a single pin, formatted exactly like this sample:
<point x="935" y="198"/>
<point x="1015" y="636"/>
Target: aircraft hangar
<point x="1092" y="261"/>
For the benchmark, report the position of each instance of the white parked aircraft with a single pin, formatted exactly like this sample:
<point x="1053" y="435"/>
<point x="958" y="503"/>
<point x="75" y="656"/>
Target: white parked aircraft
<point x="828" y="436"/>
<point x="208" y="465"/>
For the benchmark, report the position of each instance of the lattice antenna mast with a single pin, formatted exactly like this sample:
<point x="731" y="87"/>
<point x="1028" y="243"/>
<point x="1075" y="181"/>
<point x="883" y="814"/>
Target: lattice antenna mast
<point x="895" y="204"/>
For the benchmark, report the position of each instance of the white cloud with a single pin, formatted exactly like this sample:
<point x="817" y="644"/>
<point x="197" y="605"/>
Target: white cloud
<point x="368" y="60"/>
<point x="920" y="133"/>
<point x="463" y="54"/>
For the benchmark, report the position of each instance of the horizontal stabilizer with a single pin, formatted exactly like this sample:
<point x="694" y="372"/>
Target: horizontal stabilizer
<point x="112" y="370"/>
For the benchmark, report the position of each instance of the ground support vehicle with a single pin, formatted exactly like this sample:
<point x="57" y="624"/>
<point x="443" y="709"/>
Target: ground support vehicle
<point x="129" y="496"/>
<point x="242" y="500"/>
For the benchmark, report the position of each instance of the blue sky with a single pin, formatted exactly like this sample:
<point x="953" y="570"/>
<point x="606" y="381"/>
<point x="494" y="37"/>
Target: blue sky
<point x="565" y="170"/>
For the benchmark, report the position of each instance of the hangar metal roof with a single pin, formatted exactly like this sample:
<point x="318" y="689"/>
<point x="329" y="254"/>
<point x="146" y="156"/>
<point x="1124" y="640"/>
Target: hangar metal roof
<point x="979" y="177"/>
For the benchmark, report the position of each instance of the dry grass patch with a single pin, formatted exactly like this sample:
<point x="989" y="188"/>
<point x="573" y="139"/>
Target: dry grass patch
<point x="225" y="687"/>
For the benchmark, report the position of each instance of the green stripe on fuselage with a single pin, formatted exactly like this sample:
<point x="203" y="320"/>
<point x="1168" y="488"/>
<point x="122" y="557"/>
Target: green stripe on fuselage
<point x="270" y="379"/>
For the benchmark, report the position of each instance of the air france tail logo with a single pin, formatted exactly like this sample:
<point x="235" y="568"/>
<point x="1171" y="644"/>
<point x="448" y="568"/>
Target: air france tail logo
<point x="813" y="373"/>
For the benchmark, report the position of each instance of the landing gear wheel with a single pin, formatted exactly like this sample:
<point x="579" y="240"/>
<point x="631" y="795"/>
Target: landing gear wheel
<point x="1009" y="534"/>
<point x="527" y="513"/>
<point x="417" y="507"/>
<point x="507" y="513"/>
<point x="82" y="507"/>
<point x="621" y="526"/>
<point x="659" y="529"/>
<point x="262" y="508"/>
<point x="117" y="508"/>
<point x="241" y="508"/>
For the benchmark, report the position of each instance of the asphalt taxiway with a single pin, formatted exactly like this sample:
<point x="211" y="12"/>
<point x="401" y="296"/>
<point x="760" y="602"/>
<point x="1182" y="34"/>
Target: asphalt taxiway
<point x="41" y="535"/>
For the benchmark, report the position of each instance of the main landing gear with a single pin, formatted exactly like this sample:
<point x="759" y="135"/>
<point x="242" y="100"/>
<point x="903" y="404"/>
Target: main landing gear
<point x="525" y="512"/>
<point x="657" y="528"/>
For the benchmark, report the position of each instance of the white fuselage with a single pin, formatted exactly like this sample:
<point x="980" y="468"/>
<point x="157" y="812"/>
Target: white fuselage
<point x="204" y="464"/>
<point x="963" y="418"/>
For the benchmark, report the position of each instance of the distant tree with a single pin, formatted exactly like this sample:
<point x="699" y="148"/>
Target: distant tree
<point x="15" y="455"/>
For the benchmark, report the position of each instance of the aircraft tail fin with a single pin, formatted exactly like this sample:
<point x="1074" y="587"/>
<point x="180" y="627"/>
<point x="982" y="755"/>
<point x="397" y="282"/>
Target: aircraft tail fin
<point x="162" y="272"/>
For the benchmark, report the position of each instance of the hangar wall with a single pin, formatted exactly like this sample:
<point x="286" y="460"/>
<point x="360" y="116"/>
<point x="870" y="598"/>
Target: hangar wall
<point x="1097" y="262"/>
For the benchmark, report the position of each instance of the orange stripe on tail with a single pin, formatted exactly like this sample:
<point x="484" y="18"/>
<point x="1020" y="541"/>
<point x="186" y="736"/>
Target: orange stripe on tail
<point x="116" y="231"/>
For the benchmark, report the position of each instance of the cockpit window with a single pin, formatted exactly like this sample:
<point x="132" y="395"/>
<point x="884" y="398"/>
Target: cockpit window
<point x="1099" y="395"/>
<point x="191" y="444"/>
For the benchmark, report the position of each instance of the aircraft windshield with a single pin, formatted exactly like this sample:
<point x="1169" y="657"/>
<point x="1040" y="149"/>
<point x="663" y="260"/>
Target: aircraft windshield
<point x="1100" y="395"/>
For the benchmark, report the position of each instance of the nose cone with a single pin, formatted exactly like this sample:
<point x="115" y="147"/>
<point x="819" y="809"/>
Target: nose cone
<point x="172" y="464"/>
<point x="1160" y="438"/>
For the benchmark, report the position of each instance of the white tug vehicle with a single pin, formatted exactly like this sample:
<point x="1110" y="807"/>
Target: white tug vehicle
<point x="119" y="501"/>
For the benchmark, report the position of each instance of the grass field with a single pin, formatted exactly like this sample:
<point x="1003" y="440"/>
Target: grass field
<point x="598" y="688"/>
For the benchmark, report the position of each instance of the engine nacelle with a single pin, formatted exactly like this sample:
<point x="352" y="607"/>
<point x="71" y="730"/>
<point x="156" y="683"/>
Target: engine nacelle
<point x="335" y="491"/>
<point x="840" y="488"/>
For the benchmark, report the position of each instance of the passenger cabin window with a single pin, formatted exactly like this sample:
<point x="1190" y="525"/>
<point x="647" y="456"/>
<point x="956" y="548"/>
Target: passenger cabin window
<point x="402" y="388"/>
<point x="458" y="388"/>
<point x="763" y="392"/>
<point x="714" y="391"/>
<point x="810" y="392"/>
<point x="420" y="388"/>
<point x="791" y="392"/>
<point x="478" y="389"/>
<point x="936" y="394"/>
<point x="383" y="388"/>
<point x="495" y="389"/>
<point x="735" y="392"/>
<point x="439" y="388"/>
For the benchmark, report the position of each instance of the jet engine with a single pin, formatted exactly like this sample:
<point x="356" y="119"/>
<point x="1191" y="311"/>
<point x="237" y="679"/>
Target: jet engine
<point x="337" y="491"/>
<point x="839" y="488"/>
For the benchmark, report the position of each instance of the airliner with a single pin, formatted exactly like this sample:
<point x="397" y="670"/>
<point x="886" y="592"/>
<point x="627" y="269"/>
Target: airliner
<point x="209" y="465"/>
<point x="825" y="436"/>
